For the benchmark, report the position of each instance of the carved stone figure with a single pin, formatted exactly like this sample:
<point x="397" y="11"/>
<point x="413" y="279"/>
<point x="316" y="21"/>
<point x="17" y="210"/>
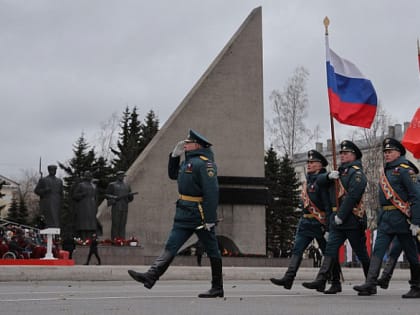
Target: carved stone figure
<point x="50" y="191"/>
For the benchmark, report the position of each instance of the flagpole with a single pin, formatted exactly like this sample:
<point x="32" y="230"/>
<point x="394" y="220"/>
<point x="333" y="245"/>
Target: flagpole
<point x="418" y="52"/>
<point x="334" y="158"/>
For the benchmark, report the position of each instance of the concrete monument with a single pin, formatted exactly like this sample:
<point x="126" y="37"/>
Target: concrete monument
<point x="226" y="104"/>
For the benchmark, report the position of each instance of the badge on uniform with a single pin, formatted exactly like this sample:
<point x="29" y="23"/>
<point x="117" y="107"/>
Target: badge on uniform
<point x="210" y="171"/>
<point x="396" y="171"/>
<point x="189" y="168"/>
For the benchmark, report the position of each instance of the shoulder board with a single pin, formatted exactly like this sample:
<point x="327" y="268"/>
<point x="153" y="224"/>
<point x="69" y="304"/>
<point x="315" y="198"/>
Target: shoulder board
<point x="204" y="158"/>
<point x="404" y="165"/>
<point x="356" y="167"/>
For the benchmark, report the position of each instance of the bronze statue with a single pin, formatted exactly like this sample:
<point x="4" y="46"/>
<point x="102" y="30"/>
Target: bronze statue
<point x="118" y="195"/>
<point x="85" y="206"/>
<point x="50" y="191"/>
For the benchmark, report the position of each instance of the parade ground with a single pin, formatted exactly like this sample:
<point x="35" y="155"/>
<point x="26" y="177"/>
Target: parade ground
<point x="109" y="290"/>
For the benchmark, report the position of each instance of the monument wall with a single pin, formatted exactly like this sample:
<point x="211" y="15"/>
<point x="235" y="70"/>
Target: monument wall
<point x="225" y="105"/>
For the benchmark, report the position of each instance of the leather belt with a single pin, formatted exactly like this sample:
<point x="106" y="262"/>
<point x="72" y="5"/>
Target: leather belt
<point x="334" y="209"/>
<point x="191" y="198"/>
<point x="391" y="207"/>
<point x="309" y="216"/>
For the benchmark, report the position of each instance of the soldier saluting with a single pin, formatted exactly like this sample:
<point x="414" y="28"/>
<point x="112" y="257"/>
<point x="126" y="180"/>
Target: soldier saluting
<point x="195" y="210"/>
<point x="399" y="216"/>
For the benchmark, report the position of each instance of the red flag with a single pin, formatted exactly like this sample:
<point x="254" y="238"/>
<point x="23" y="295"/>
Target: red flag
<point x="411" y="139"/>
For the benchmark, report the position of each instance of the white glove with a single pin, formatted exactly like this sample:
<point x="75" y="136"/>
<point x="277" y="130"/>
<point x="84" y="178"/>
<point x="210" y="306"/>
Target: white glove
<point x="179" y="149"/>
<point x="334" y="175"/>
<point x="326" y="234"/>
<point x="337" y="220"/>
<point x="209" y="226"/>
<point x="414" y="229"/>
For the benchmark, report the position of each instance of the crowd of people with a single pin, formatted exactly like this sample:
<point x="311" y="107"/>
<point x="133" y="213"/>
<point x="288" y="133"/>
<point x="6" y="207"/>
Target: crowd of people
<point x="20" y="242"/>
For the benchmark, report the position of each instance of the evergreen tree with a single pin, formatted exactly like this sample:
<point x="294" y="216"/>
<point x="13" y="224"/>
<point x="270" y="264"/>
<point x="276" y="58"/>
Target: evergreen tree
<point x="84" y="160"/>
<point x="13" y="213"/>
<point x="133" y="138"/>
<point x="104" y="175"/>
<point x="288" y="202"/>
<point x="129" y="142"/>
<point x="148" y="130"/>
<point x="281" y="217"/>
<point x="272" y="211"/>
<point x="23" y="213"/>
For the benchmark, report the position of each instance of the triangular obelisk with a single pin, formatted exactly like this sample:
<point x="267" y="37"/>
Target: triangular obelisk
<point x="225" y="105"/>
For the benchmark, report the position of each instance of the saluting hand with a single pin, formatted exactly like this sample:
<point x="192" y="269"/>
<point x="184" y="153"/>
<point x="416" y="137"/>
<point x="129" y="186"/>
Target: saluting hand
<point x="179" y="149"/>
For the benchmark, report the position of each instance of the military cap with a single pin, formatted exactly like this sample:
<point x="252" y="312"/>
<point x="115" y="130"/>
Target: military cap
<point x="314" y="155"/>
<point x="348" y="146"/>
<point x="194" y="136"/>
<point x="393" y="144"/>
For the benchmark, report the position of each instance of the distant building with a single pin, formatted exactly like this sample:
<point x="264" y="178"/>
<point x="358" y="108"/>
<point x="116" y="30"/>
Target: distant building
<point x="395" y="131"/>
<point x="10" y="188"/>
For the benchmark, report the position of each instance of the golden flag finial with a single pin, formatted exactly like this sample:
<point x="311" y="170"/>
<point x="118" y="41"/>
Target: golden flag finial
<point x="326" y="23"/>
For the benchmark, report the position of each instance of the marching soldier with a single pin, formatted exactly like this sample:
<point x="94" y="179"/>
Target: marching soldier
<point x="195" y="210"/>
<point x="394" y="252"/>
<point x="349" y="219"/>
<point x="313" y="223"/>
<point x="399" y="216"/>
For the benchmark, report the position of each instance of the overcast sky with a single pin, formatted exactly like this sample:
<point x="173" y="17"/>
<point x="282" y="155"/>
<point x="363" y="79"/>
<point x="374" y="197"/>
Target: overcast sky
<point x="67" y="66"/>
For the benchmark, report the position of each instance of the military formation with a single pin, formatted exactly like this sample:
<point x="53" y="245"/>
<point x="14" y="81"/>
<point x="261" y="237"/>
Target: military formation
<point x="333" y="213"/>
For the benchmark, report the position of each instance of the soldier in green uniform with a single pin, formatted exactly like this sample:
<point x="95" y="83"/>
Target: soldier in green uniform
<point x="348" y="220"/>
<point x="195" y="210"/>
<point x="399" y="216"/>
<point x="313" y="223"/>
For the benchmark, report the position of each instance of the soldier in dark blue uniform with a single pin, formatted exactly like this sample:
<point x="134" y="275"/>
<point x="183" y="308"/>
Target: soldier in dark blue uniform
<point x="313" y="223"/>
<point x="399" y="216"/>
<point x="349" y="219"/>
<point x="195" y="210"/>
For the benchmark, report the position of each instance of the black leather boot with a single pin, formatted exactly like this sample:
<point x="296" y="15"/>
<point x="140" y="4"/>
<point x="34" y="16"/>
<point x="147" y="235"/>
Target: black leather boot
<point x="383" y="281"/>
<point x="369" y="287"/>
<point x="414" y="292"/>
<point x="335" y="279"/>
<point x="158" y="268"/>
<point x="289" y="276"/>
<point x="321" y="278"/>
<point x="216" y="280"/>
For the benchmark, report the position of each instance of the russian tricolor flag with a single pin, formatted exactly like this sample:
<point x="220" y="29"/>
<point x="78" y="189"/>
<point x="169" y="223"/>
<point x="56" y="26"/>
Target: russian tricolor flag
<point x="352" y="97"/>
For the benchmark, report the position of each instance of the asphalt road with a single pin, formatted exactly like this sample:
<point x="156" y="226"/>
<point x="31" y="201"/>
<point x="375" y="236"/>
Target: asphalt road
<point x="180" y="297"/>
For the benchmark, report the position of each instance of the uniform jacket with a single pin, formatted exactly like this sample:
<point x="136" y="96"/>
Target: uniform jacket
<point x="354" y="182"/>
<point x="319" y="196"/>
<point x="403" y="179"/>
<point x="196" y="176"/>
